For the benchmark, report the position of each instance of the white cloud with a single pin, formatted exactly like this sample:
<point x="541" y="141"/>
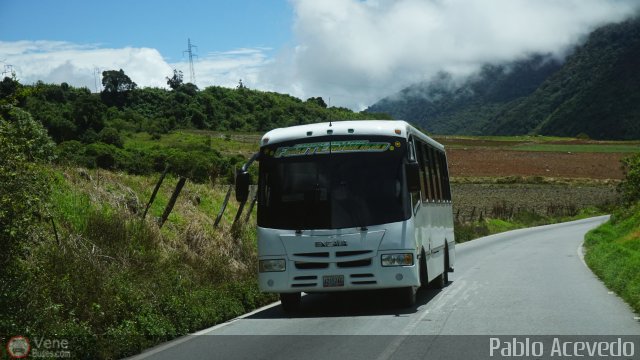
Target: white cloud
<point x="56" y="62"/>
<point x="359" y="51"/>
<point x="350" y="52"/>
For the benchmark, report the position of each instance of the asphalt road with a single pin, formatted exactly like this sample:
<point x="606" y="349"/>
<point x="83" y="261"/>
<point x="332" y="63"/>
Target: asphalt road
<point x="529" y="282"/>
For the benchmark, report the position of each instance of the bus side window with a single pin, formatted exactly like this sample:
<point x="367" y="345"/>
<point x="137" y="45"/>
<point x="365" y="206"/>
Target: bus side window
<point x="432" y="186"/>
<point x="438" y="179"/>
<point x="447" y="185"/>
<point x="423" y="177"/>
<point x="411" y="154"/>
<point x="428" y="182"/>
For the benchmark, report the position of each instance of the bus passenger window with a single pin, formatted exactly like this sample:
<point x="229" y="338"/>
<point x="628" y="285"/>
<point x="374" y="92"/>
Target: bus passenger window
<point x="423" y="176"/>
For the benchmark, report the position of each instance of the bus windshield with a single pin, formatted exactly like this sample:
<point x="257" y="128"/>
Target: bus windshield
<point x="332" y="183"/>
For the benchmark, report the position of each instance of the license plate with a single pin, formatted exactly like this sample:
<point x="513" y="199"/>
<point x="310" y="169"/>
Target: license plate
<point x="333" y="280"/>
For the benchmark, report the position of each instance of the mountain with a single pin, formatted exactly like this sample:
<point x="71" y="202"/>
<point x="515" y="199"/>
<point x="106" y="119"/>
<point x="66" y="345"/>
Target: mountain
<point x="596" y="91"/>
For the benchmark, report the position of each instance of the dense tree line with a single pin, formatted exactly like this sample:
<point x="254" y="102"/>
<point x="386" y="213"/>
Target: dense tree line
<point x="593" y="93"/>
<point x="89" y="128"/>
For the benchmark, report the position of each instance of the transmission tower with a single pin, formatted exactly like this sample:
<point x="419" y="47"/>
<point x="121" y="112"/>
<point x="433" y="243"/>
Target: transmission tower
<point x="8" y="70"/>
<point x="192" y="73"/>
<point x="96" y="74"/>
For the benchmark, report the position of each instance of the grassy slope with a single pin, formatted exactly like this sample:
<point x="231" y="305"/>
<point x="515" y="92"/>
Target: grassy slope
<point x="115" y="284"/>
<point x="613" y="253"/>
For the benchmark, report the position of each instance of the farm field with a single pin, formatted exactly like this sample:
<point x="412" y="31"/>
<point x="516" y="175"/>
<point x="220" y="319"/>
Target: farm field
<point x="540" y="175"/>
<point x="545" y="175"/>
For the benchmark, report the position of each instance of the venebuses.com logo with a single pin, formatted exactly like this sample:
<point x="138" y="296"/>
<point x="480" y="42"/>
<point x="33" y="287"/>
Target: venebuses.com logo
<point x="18" y="347"/>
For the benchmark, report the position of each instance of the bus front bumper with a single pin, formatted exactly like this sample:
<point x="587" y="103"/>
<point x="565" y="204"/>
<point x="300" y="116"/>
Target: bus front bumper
<point x="333" y="278"/>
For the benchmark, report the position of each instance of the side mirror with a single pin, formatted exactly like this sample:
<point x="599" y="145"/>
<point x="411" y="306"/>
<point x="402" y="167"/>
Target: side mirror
<point x="412" y="170"/>
<point x="243" y="180"/>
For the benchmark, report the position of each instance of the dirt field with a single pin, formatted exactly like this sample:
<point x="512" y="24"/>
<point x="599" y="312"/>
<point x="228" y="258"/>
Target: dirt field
<point x="542" y="199"/>
<point x="496" y="162"/>
<point x="489" y="173"/>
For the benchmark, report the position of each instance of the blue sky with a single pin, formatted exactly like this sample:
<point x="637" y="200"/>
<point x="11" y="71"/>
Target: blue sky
<point x="350" y="52"/>
<point x="214" y="26"/>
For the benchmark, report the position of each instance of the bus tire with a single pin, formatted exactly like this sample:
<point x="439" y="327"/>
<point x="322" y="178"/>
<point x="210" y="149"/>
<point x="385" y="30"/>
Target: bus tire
<point x="439" y="282"/>
<point x="446" y="265"/>
<point x="424" y="276"/>
<point x="290" y="301"/>
<point x="407" y="296"/>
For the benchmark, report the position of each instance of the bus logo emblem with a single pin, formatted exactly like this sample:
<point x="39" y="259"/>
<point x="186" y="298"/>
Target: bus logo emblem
<point x="331" y="243"/>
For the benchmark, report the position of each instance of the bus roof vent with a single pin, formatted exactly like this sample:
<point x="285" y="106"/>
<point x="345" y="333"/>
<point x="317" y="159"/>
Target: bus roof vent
<point x="329" y="132"/>
<point x="350" y="131"/>
<point x="309" y="133"/>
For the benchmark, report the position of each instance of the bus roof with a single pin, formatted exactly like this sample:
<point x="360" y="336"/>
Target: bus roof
<point x="362" y="127"/>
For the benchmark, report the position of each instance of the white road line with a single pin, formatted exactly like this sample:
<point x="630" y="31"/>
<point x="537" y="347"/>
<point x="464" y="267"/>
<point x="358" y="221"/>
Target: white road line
<point x="206" y="331"/>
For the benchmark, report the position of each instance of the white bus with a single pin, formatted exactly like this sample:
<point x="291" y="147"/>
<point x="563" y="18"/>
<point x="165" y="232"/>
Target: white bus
<point x="351" y="205"/>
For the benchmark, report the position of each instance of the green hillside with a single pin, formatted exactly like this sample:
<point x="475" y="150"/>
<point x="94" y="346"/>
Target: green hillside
<point x="130" y="129"/>
<point x="594" y="92"/>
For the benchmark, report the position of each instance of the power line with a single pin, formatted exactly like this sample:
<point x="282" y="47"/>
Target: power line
<point x="192" y="73"/>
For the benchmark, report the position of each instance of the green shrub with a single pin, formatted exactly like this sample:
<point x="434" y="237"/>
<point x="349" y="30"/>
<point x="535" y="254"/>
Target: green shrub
<point x="630" y="186"/>
<point x="24" y="190"/>
<point x="111" y="136"/>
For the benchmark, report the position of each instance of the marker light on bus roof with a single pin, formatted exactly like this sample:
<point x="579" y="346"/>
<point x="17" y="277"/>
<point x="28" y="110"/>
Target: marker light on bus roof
<point x="350" y="131"/>
<point x="309" y="133"/>
<point x="329" y="132"/>
<point x="398" y="131"/>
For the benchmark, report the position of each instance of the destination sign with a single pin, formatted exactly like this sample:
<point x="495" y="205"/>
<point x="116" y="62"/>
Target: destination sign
<point x="333" y="147"/>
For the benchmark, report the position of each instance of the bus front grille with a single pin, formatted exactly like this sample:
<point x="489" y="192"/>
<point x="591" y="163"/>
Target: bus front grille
<point x="303" y="285"/>
<point x="310" y="265"/>
<point x="314" y="254"/>
<point x="367" y="282"/>
<point x="352" y="253"/>
<point x="355" y="263"/>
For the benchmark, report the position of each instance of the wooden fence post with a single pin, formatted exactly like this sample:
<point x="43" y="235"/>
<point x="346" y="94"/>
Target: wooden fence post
<point x="253" y="203"/>
<point x="155" y="190"/>
<point x="172" y="201"/>
<point x="240" y="209"/>
<point x="55" y="230"/>
<point x="224" y="206"/>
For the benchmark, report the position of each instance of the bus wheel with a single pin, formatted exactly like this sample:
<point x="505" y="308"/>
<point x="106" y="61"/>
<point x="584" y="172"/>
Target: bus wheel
<point x="290" y="301"/>
<point x="446" y="265"/>
<point x="440" y="281"/>
<point x="407" y="296"/>
<point x="424" y="278"/>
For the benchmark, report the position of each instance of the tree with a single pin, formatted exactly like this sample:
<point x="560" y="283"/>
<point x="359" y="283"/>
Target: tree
<point x="318" y="101"/>
<point x="116" y="87"/>
<point x="87" y="113"/>
<point x="175" y="81"/>
<point x="24" y="183"/>
<point x="111" y="136"/>
<point x="8" y="88"/>
<point x="116" y="82"/>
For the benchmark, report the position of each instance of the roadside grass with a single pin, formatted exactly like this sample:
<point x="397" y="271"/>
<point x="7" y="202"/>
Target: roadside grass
<point x="613" y="253"/>
<point x="113" y="284"/>
<point x="466" y="231"/>
<point x="198" y="140"/>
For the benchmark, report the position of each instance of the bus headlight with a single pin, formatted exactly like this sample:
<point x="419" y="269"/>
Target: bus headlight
<point x="397" y="259"/>
<point x="272" y="265"/>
